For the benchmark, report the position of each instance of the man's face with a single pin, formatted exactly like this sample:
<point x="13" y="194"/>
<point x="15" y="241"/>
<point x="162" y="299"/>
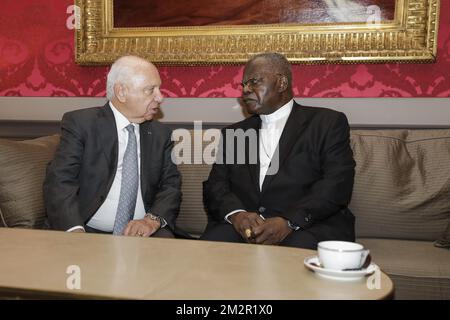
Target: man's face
<point x="261" y="88"/>
<point x="144" y="96"/>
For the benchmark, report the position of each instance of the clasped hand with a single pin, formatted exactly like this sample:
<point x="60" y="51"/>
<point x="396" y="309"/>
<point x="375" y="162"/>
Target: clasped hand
<point x="263" y="231"/>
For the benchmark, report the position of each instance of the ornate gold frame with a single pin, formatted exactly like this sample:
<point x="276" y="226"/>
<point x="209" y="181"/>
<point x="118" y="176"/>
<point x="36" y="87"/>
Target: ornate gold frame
<point x="411" y="36"/>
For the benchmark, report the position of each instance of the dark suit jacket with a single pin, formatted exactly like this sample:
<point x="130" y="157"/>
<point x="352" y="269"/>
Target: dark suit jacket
<point x="314" y="182"/>
<point x="82" y="172"/>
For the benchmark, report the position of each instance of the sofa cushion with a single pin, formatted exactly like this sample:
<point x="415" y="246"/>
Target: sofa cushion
<point x="194" y="170"/>
<point x="418" y="269"/>
<point x="192" y="217"/>
<point x="402" y="185"/>
<point x="22" y="172"/>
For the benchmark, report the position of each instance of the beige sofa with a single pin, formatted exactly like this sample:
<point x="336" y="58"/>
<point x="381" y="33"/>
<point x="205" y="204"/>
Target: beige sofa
<point x="401" y="201"/>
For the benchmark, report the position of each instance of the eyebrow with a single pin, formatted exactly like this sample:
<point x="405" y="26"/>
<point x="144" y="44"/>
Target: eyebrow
<point x="255" y="76"/>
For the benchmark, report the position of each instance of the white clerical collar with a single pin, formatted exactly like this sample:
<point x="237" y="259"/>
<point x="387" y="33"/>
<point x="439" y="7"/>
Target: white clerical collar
<point x="121" y="121"/>
<point x="281" y="113"/>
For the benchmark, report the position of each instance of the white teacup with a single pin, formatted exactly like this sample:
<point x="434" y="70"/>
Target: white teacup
<point x="340" y="255"/>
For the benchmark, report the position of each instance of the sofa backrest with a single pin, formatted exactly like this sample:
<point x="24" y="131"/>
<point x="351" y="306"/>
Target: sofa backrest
<point x="401" y="190"/>
<point x="22" y="173"/>
<point x="402" y="184"/>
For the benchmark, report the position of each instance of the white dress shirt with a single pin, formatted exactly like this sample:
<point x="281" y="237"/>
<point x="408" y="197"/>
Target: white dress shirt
<point x="105" y="216"/>
<point x="272" y="126"/>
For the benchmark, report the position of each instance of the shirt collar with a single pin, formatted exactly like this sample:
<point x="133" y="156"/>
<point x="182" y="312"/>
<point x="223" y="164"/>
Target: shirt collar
<point x="121" y="121"/>
<point x="281" y="113"/>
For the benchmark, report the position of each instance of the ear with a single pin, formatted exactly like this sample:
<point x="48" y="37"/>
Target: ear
<point x="283" y="84"/>
<point x="120" y="91"/>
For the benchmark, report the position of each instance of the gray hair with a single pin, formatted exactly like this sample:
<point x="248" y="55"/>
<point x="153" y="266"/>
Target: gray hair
<point x="278" y="62"/>
<point x="124" y="70"/>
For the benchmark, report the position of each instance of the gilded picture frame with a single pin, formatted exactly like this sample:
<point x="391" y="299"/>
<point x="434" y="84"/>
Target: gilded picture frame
<point x="410" y="37"/>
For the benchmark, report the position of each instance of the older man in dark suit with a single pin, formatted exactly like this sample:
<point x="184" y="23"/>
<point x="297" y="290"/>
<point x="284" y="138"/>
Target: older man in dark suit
<point x="112" y="172"/>
<point x="297" y="191"/>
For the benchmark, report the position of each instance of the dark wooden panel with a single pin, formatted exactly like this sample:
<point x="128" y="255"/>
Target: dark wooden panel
<point x="28" y="129"/>
<point x="18" y="129"/>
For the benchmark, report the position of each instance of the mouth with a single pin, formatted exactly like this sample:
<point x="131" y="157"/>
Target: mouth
<point x="249" y="101"/>
<point x="153" y="110"/>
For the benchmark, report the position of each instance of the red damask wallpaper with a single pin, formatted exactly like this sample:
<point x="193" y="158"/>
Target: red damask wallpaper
<point x="36" y="59"/>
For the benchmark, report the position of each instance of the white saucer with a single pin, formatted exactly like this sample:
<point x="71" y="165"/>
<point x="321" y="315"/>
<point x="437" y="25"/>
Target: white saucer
<point x="338" y="274"/>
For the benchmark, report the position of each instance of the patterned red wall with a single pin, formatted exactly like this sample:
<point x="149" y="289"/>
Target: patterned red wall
<point x="36" y="59"/>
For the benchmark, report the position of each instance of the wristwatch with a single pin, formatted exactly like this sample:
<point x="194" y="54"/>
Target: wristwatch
<point x="293" y="226"/>
<point x="151" y="216"/>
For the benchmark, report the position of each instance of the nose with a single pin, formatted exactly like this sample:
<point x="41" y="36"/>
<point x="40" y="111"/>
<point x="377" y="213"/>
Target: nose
<point x="246" y="89"/>
<point x="159" y="96"/>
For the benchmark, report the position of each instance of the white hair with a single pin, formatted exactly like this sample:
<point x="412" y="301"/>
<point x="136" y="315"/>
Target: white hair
<point x="124" y="70"/>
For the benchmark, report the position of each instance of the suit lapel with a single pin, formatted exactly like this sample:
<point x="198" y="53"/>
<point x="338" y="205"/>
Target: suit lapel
<point x="107" y="139"/>
<point x="255" y="124"/>
<point x="294" y="126"/>
<point x="146" y="140"/>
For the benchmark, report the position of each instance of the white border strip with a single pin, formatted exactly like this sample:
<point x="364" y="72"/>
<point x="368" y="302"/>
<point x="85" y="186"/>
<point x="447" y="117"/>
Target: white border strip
<point x="360" y="111"/>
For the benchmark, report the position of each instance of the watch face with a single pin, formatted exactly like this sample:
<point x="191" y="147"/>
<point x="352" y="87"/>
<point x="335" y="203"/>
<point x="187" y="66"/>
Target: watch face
<point x="156" y="218"/>
<point x="292" y="226"/>
<point x="161" y="221"/>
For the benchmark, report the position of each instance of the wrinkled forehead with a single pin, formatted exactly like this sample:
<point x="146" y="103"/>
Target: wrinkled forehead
<point x="147" y="75"/>
<point x="257" y="67"/>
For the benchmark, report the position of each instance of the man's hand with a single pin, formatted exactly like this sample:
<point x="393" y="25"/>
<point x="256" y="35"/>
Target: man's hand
<point x="273" y="231"/>
<point x="141" y="228"/>
<point x="243" y="221"/>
